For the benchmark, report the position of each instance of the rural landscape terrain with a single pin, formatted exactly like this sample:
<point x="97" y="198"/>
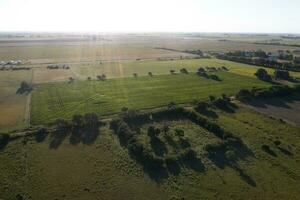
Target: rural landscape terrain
<point x="171" y="116"/>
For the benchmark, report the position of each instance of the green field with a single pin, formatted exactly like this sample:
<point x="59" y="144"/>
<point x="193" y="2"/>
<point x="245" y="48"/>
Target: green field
<point x="63" y="100"/>
<point x="33" y="169"/>
<point x="127" y="68"/>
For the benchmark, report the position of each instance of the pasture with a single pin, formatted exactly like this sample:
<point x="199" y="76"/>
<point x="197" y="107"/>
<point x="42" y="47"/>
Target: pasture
<point x="32" y="168"/>
<point x="63" y="100"/>
<point x="14" y="107"/>
<point x="127" y="68"/>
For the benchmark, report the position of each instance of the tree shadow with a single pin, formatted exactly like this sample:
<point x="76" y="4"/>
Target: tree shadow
<point x="173" y="167"/>
<point x="4" y="140"/>
<point x="268" y="150"/>
<point x="208" y="113"/>
<point x="84" y="135"/>
<point x="57" y="137"/>
<point x="285" y="151"/>
<point x="159" y="148"/>
<point x="276" y="102"/>
<point x="194" y="164"/>
<point x="245" y="177"/>
<point x="41" y="135"/>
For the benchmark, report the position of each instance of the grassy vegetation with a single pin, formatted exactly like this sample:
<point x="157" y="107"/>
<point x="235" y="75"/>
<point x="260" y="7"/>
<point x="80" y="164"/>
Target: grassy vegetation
<point x="126" y="69"/>
<point x="63" y="100"/>
<point x="31" y="168"/>
<point x="12" y="105"/>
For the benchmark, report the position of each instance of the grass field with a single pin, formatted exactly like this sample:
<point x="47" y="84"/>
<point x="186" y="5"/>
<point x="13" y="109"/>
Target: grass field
<point x="127" y="68"/>
<point x="63" y="100"/>
<point x="31" y="168"/>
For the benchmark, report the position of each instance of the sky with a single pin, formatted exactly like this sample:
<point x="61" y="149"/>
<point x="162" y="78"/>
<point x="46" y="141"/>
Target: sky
<point x="242" y="16"/>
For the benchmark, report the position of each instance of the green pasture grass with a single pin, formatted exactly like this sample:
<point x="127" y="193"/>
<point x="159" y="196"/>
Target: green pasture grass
<point x="63" y="100"/>
<point x="127" y="68"/>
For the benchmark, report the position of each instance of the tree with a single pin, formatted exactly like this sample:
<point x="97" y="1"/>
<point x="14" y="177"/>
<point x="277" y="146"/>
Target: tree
<point x="244" y="95"/>
<point x="165" y="128"/>
<point x="91" y="120"/>
<point x="212" y="98"/>
<point x="202" y="106"/>
<point x="282" y="74"/>
<point x="262" y="74"/>
<point x="89" y="78"/>
<point x="184" y="71"/>
<point x="24" y="87"/>
<point x="171" y="105"/>
<point x="71" y="79"/>
<point x="101" y="77"/>
<point x="78" y="121"/>
<point x="150" y="74"/>
<point x="201" y="70"/>
<point x="135" y="75"/>
<point x="172" y="71"/>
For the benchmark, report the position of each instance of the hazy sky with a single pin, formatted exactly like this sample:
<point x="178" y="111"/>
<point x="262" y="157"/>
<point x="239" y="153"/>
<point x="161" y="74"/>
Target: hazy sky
<point x="280" y="16"/>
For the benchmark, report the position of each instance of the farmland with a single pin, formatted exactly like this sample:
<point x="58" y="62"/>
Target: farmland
<point x="155" y="127"/>
<point x="32" y="168"/>
<point x="53" y="101"/>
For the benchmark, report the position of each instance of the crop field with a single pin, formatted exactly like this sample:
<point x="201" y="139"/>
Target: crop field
<point x="63" y="100"/>
<point x="45" y="50"/>
<point x="32" y="167"/>
<point x="12" y="105"/>
<point x="77" y="51"/>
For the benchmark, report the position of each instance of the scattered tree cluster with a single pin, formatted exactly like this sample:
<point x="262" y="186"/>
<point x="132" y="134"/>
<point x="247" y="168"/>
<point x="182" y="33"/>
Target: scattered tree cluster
<point x="201" y="72"/>
<point x="263" y="75"/>
<point x="274" y="91"/>
<point x="58" y="67"/>
<point x="101" y="77"/>
<point x="14" y="68"/>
